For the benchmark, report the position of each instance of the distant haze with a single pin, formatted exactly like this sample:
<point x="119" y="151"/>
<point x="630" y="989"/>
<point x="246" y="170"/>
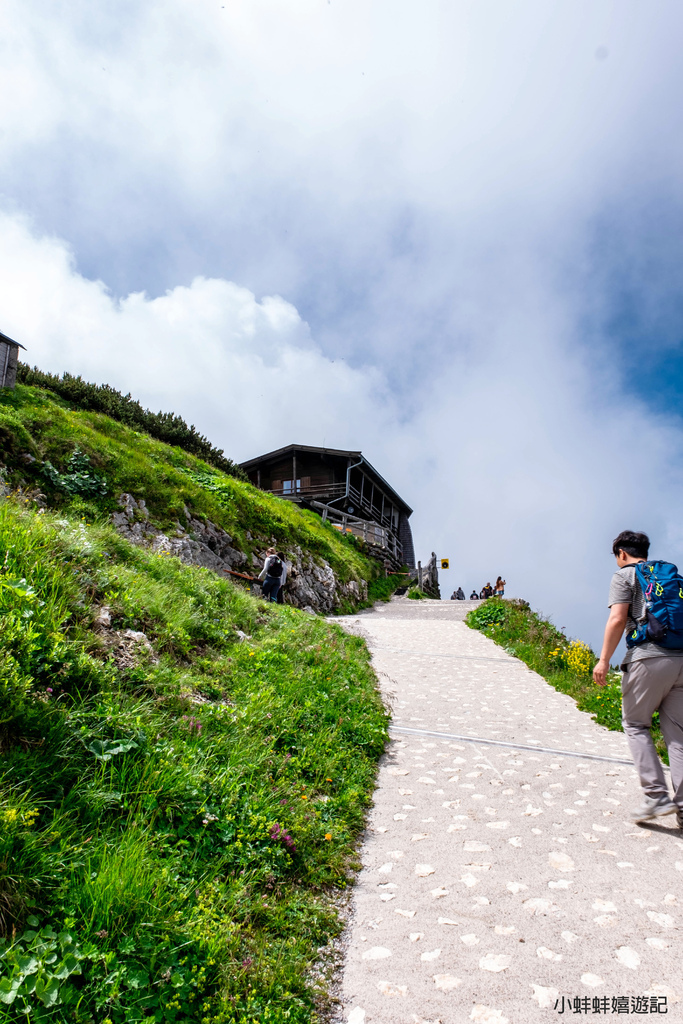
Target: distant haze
<point x="446" y="234"/>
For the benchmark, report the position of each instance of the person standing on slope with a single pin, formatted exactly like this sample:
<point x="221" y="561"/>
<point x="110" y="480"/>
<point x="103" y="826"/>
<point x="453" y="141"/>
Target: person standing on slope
<point x="283" y="578"/>
<point x="500" y="587"/>
<point x="646" y="600"/>
<point x="271" y="574"/>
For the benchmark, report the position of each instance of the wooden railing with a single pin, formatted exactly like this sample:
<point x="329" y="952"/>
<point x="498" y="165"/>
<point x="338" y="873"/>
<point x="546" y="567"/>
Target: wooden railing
<point x="378" y="530"/>
<point x="372" y="533"/>
<point x="329" y="491"/>
<point x="428" y="576"/>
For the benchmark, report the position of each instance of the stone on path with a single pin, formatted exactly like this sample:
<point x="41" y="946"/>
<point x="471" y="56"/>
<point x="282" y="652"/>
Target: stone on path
<point x="516" y="874"/>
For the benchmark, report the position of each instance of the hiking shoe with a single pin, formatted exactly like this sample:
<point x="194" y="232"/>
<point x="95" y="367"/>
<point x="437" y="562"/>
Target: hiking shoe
<point x="655" y="807"/>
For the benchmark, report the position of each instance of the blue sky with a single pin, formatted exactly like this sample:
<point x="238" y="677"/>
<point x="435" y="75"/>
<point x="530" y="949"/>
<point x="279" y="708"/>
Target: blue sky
<point x="449" y="235"/>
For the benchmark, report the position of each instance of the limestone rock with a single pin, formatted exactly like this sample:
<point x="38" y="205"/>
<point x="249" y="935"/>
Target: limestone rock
<point x="311" y="585"/>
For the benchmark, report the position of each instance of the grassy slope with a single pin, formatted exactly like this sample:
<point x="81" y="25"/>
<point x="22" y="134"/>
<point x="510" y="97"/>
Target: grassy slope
<point x="36" y="422"/>
<point x="181" y="824"/>
<point x="545" y="649"/>
<point x="173" y="825"/>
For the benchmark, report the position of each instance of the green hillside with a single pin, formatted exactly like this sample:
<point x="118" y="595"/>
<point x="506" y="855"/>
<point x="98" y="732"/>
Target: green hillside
<point x="184" y="768"/>
<point x="40" y="432"/>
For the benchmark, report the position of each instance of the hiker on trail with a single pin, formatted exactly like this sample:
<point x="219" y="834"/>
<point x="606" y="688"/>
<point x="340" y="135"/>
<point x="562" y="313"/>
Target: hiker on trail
<point x="487" y="591"/>
<point x="460" y="594"/>
<point x="454" y="596"/>
<point x="283" y="579"/>
<point x="271" y="574"/>
<point x="646" y="600"/>
<point x="500" y="587"/>
<point x="474" y="596"/>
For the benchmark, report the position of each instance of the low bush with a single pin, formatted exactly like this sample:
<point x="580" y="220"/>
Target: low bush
<point x="384" y="587"/>
<point x="566" y="664"/>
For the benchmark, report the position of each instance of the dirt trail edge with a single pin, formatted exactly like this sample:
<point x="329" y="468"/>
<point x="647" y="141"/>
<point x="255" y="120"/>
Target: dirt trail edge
<point x="502" y="883"/>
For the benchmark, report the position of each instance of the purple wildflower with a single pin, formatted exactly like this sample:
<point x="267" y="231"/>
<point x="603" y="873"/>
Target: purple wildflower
<point x="279" y="835"/>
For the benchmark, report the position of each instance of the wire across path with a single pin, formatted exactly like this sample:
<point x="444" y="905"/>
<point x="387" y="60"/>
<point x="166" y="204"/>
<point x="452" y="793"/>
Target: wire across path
<point x="407" y="731"/>
<point x="503" y="881"/>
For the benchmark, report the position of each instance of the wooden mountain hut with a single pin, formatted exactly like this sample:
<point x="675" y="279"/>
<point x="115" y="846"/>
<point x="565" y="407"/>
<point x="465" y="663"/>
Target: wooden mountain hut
<point x="343" y="487"/>
<point x="9" y="358"/>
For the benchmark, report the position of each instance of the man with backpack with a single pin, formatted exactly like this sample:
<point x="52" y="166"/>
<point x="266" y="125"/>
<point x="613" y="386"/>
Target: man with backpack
<point x="283" y="578"/>
<point x="271" y="574"/>
<point x="646" y="600"/>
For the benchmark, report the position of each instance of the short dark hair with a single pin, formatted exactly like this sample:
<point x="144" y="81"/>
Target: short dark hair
<point x="636" y="545"/>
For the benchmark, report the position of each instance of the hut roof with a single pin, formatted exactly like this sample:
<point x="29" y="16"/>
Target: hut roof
<point x="10" y="341"/>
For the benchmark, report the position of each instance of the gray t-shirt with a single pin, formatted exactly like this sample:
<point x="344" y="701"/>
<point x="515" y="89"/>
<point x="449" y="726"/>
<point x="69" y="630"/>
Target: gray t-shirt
<point x="625" y="589"/>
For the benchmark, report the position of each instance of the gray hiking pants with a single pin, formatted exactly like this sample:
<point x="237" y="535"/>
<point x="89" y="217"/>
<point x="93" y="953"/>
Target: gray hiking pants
<point x="646" y="686"/>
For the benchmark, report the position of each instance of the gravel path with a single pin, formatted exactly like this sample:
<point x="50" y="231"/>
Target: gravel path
<point x="499" y="880"/>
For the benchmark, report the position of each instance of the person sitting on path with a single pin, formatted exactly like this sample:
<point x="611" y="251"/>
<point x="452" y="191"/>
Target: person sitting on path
<point x="460" y="594"/>
<point x="474" y="596"/>
<point x="500" y="587"/>
<point x="283" y="578"/>
<point x="271" y="574"/>
<point x="652" y="669"/>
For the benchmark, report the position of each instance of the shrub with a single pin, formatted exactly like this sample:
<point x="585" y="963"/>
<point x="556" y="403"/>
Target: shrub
<point x="491" y="612"/>
<point x="78" y="478"/>
<point x="383" y="587"/>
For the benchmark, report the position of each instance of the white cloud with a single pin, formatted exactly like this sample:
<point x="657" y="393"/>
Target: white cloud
<point x="513" y="459"/>
<point x="421" y="187"/>
<point x="242" y="370"/>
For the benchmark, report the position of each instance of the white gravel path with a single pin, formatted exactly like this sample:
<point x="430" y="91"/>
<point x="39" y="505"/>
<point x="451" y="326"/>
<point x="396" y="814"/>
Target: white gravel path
<point x="498" y="880"/>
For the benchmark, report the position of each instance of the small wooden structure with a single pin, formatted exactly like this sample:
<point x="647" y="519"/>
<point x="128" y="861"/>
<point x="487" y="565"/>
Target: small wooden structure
<point x="428" y="577"/>
<point x="343" y="487"/>
<point x="9" y="358"/>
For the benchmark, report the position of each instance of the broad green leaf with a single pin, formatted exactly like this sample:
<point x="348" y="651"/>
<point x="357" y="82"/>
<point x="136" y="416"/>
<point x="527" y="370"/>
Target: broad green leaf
<point x="104" y="750"/>
<point x="27" y="964"/>
<point x="69" y="965"/>
<point x="48" y="994"/>
<point x="8" y="990"/>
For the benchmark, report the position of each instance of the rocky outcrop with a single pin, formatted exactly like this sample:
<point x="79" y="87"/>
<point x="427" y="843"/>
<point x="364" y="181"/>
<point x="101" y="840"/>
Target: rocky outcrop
<point x="311" y="585"/>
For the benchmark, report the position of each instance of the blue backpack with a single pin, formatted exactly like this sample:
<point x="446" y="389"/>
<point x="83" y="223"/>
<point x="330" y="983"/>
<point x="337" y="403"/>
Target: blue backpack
<point x="662" y="587"/>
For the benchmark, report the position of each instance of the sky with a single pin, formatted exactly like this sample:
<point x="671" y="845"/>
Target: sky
<point x="448" y="234"/>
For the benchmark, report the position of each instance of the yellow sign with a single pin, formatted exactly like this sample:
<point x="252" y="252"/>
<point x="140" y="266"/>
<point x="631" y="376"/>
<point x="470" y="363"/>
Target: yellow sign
<point x="444" y="563"/>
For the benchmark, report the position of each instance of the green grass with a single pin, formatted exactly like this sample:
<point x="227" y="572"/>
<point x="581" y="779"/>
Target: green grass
<point x="38" y="425"/>
<point x="103" y="398"/>
<point x="545" y="649"/>
<point x="175" y="824"/>
<point x="383" y="588"/>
